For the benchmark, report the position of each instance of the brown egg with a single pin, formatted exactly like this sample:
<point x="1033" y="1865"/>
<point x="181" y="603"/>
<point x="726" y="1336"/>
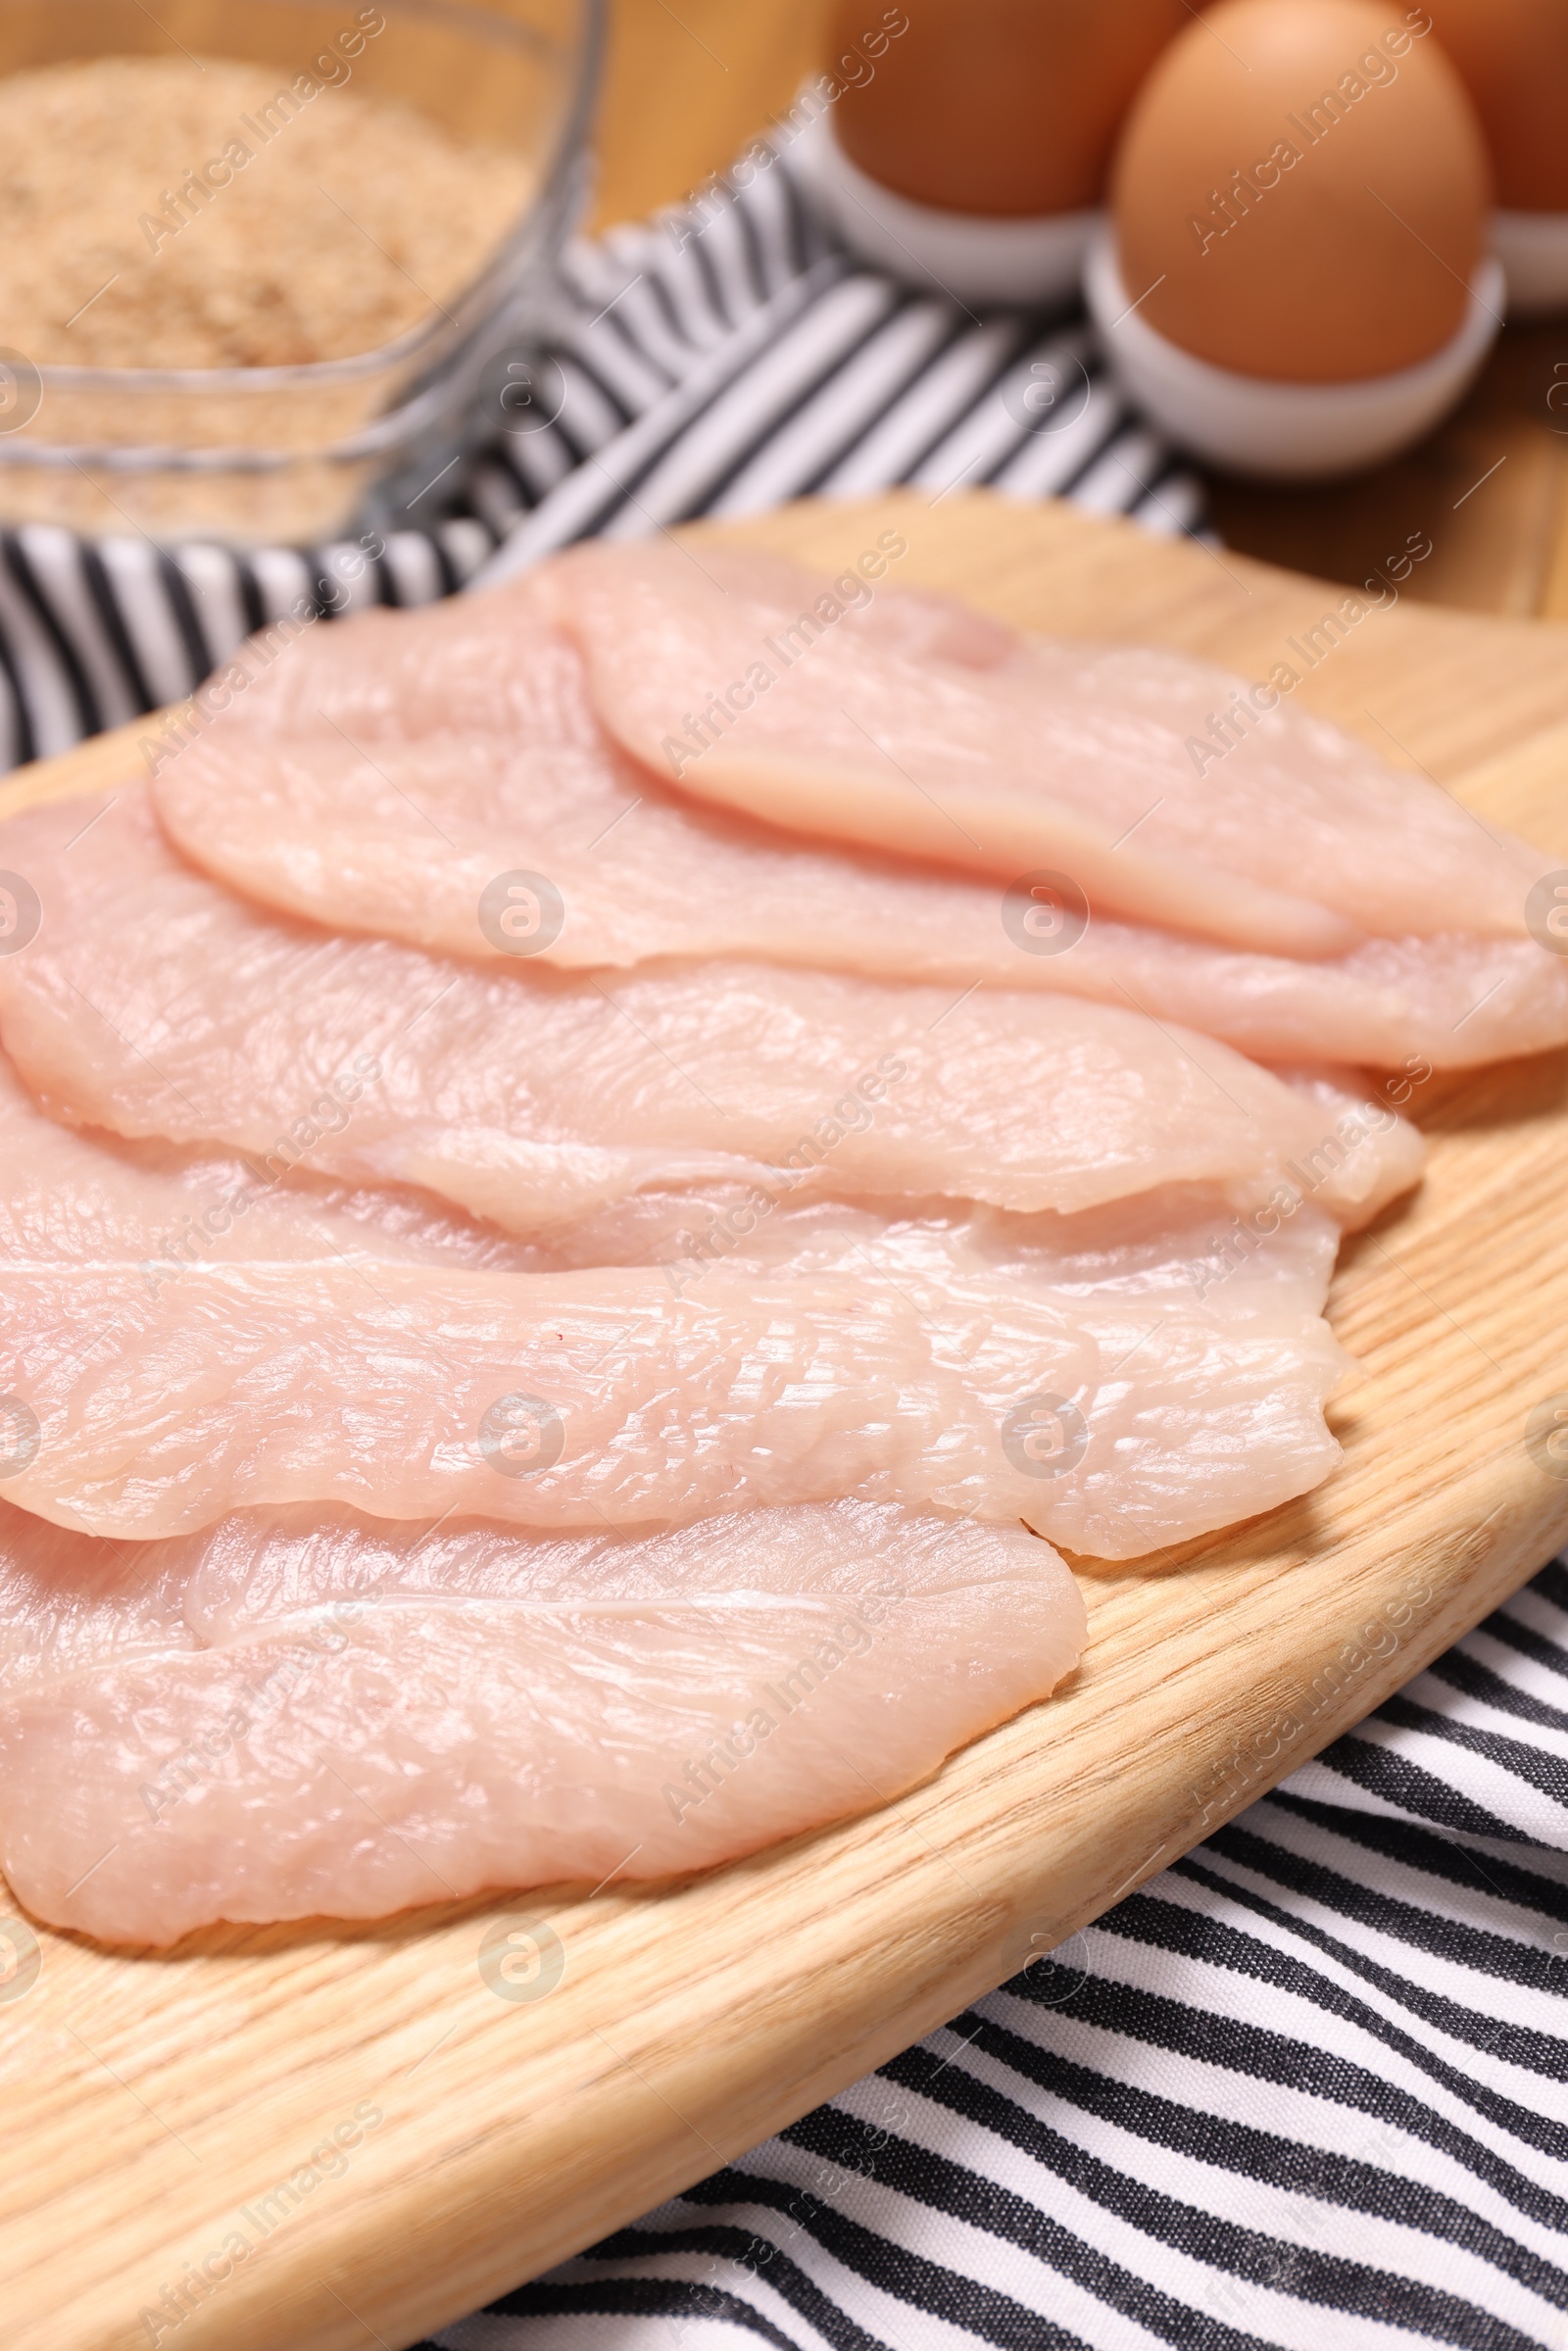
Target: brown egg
<point x="1512" y="57"/>
<point x="1301" y="191"/>
<point x="1002" y="107"/>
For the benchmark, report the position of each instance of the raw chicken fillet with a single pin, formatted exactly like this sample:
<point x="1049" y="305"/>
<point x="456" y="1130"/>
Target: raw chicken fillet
<point x="187" y="1340"/>
<point x="1058" y="755"/>
<point x="360" y="794"/>
<point x="154" y="1003"/>
<point x="584" y="1175"/>
<point x="295" y="1714"/>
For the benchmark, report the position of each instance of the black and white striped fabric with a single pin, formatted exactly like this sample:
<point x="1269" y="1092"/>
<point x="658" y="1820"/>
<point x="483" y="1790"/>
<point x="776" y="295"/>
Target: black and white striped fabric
<point x="717" y="360"/>
<point x="1307" y="2090"/>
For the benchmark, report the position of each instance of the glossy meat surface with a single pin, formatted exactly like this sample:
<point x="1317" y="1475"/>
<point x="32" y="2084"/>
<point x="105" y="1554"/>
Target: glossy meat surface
<point x="152" y="1002"/>
<point x="404" y="838"/>
<point x="180" y="1341"/>
<point x="305" y="1712"/>
<point x="1291" y="840"/>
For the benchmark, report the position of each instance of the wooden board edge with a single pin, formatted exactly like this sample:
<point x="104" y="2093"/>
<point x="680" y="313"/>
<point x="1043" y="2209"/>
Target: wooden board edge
<point x="533" y="2190"/>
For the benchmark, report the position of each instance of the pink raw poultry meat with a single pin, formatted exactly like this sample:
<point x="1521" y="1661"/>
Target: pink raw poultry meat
<point x="1295" y="840"/>
<point x="404" y="840"/>
<point x="180" y="1341"/>
<point x="169" y="1370"/>
<point x="305" y="1712"/>
<point x="152" y="1002"/>
<point x="1039" y="1298"/>
<point x="365" y="795"/>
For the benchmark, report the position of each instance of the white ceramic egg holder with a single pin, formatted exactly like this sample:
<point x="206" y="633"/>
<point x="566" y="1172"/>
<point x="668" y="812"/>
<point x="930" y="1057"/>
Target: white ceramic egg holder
<point x="974" y="259"/>
<point x="1284" y="431"/>
<point x="1246" y="424"/>
<point x="1533" y="248"/>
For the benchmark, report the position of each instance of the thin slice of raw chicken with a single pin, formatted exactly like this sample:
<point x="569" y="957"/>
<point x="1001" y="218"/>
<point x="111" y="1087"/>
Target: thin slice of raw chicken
<point x="404" y="839"/>
<point x="495" y="664"/>
<point x="178" y="1340"/>
<point x="304" y="1713"/>
<point x="1206" y="1325"/>
<point x="172" y="1346"/>
<point x="1295" y="840"/>
<point x="154" y="1001"/>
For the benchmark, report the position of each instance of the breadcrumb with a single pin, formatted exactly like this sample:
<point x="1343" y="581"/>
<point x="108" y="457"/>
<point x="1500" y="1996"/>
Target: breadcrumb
<point x="185" y="213"/>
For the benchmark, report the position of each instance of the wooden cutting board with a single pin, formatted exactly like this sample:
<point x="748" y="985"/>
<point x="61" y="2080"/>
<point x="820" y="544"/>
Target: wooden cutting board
<point x="161" y="2110"/>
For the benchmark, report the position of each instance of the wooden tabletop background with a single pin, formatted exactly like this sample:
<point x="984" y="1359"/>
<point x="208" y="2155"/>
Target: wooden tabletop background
<point x="689" y="82"/>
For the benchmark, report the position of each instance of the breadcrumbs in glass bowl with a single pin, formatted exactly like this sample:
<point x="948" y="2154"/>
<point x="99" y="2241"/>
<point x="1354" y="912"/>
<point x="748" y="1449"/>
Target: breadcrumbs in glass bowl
<point x="255" y="256"/>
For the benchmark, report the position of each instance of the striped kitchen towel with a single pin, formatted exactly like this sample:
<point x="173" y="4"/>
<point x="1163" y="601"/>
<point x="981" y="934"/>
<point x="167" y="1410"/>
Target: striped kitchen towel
<point x="717" y="360"/>
<point x="1307" y="2091"/>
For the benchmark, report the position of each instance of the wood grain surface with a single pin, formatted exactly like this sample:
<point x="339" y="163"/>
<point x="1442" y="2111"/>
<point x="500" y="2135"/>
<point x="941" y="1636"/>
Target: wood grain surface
<point x="156" y="2106"/>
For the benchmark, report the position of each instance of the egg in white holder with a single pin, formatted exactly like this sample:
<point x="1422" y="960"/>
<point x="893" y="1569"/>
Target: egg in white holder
<point x="1283" y="431"/>
<point x="975" y="256"/>
<point x="1533" y="248"/>
<point x="1512" y="56"/>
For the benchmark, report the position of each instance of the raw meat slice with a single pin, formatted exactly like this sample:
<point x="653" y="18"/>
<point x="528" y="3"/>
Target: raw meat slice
<point x="496" y="664"/>
<point x="152" y="1002"/>
<point x="1451" y="1002"/>
<point x="1180" y="1239"/>
<point x="922" y="623"/>
<point x="176" y="1344"/>
<point x="500" y="663"/>
<point x="1288" y="843"/>
<point x="1188" y="1304"/>
<point x="1158" y="1254"/>
<point x="304" y="1713"/>
<point x="404" y="839"/>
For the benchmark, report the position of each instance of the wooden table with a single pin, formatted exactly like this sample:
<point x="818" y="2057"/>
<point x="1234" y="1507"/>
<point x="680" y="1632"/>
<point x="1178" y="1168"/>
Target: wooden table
<point x="690" y="80"/>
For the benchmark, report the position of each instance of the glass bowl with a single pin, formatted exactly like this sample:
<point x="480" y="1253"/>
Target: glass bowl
<point x="294" y="453"/>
